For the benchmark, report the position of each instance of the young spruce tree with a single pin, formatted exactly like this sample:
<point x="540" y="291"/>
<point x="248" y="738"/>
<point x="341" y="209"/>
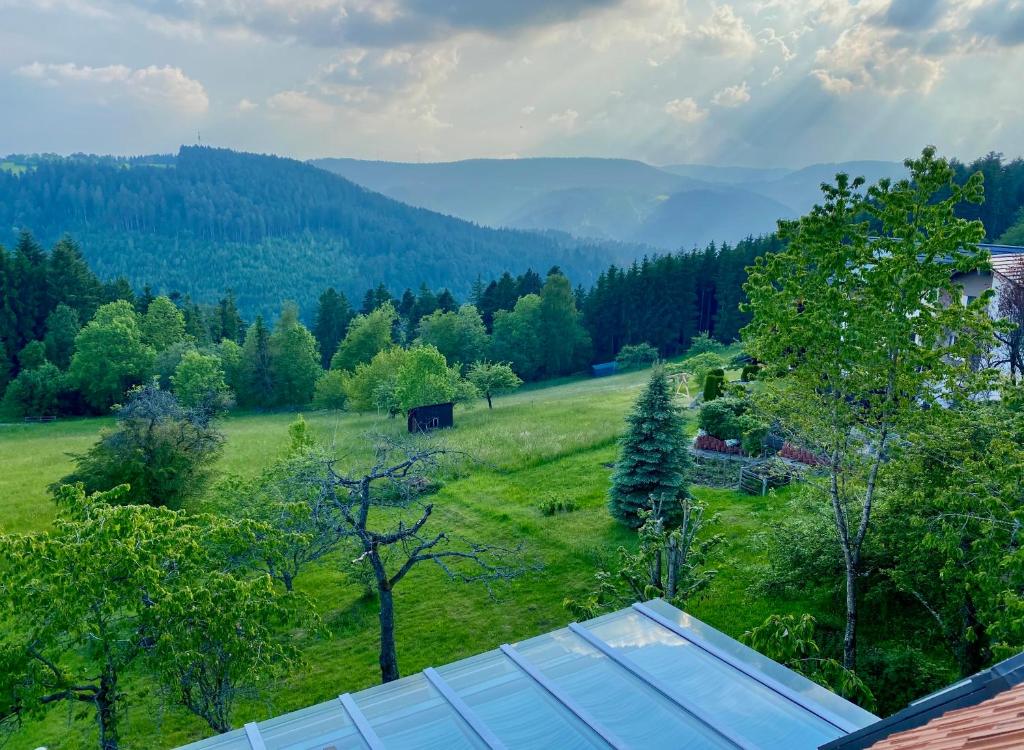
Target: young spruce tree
<point x="653" y="459"/>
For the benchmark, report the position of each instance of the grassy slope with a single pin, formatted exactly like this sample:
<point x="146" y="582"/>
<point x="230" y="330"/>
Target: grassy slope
<point x="538" y="442"/>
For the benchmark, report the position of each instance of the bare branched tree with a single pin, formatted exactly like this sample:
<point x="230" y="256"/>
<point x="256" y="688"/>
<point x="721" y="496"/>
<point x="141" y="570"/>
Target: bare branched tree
<point x="1011" y="310"/>
<point x="385" y="512"/>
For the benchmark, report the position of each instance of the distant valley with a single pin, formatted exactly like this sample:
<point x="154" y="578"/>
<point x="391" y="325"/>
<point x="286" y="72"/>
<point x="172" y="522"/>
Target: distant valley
<point x="679" y="206"/>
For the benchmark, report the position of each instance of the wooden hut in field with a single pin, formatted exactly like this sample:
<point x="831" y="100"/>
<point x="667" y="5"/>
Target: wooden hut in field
<point x="431" y="417"/>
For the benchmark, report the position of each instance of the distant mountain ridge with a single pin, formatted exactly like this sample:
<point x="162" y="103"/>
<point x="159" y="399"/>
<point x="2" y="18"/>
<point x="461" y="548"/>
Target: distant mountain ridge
<point x="270" y="228"/>
<point x="671" y="207"/>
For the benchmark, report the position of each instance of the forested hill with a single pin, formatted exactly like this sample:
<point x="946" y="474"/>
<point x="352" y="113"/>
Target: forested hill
<point x="268" y="227"/>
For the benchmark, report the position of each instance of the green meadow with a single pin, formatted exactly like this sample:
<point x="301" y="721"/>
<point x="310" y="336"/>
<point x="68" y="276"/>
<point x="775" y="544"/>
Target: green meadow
<point x="556" y="440"/>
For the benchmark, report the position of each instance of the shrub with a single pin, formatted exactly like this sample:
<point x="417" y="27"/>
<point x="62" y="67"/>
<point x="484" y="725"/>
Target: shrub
<point x="330" y="391"/>
<point x="34" y="392"/>
<point x="753" y="433"/>
<point x="714" y="384"/>
<point x="749" y="372"/>
<point x="720" y="418"/>
<point x="700" y="365"/>
<point x="635" y="356"/>
<point x="702" y="343"/>
<point x="553" y="505"/>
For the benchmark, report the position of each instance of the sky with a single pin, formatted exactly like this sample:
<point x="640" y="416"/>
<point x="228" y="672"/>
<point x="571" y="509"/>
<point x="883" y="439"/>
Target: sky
<point x="749" y="82"/>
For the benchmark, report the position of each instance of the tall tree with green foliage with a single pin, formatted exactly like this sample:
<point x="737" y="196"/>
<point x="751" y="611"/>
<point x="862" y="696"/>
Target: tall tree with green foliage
<point x="492" y="379"/>
<point x="566" y="344"/>
<point x="162" y="451"/>
<point x="424" y="377"/>
<point x="256" y="374"/>
<point x="110" y="356"/>
<point x="517" y="337"/>
<point x="367" y="334"/>
<point x="654" y="458"/>
<point x="231" y="325"/>
<point x="35" y="392"/>
<point x="198" y="383"/>
<point x="294" y="359"/>
<point x="861" y="315"/>
<point x="71" y="281"/>
<point x="112" y="588"/>
<point x="459" y="336"/>
<point x="333" y="314"/>
<point x="31" y="299"/>
<point x="62" y="326"/>
<point x="374" y="384"/>
<point x="163" y="324"/>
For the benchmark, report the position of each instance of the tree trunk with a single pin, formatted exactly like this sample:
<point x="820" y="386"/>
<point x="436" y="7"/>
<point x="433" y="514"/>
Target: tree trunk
<point x="388" y="654"/>
<point x="286" y="579"/>
<point x="106" y="711"/>
<point x="850" y="636"/>
<point x="489" y="405"/>
<point x="972" y="650"/>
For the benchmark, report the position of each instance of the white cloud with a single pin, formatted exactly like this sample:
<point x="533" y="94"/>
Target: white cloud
<point x="685" y="110"/>
<point x="164" y="87"/>
<point x="529" y="109"/>
<point x="300" y="105"/>
<point x="723" y="33"/>
<point x="246" y="105"/>
<point x="566" y="119"/>
<point x="732" y="96"/>
<point x="862" y="58"/>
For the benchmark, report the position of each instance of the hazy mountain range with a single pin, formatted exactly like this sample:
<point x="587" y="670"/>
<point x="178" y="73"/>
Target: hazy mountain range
<point x="669" y="207"/>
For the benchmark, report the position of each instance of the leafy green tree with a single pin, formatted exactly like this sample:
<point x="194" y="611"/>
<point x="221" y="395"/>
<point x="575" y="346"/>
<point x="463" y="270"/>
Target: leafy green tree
<point x="72" y="282"/>
<point x="668" y="562"/>
<point x="5" y="365"/>
<point x="374" y="384"/>
<point x="1015" y="234"/>
<point x="459" y="336"/>
<point x="654" y="458"/>
<point x="333" y="314"/>
<point x="163" y="324"/>
<point x="516" y="337"/>
<point x="231" y="325"/>
<point x="35" y="392"/>
<point x="702" y="343"/>
<point x="31" y="299"/>
<point x="32" y="355"/>
<point x="163" y="452"/>
<point x="256" y="375"/>
<point x="294" y="359"/>
<point x="949" y="527"/>
<point x="166" y="362"/>
<point x="330" y="391"/>
<point x="424" y="377"/>
<point x="790" y="641"/>
<point x="110" y="588"/>
<point x="230" y="355"/>
<point x="61" y="328"/>
<point x="110" y="356"/>
<point x="566" y="343"/>
<point x="634" y="356"/>
<point x="861" y="314"/>
<point x="492" y="379"/>
<point x="198" y="382"/>
<point x="367" y="334"/>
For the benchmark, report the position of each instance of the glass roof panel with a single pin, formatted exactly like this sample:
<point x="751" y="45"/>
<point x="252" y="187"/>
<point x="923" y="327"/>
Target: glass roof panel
<point x="233" y="740"/>
<point x="627" y="706"/>
<point x="519" y="711"/>
<point x="324" y="726"/>
<point x="812" y="692"/>
<point x="750" y="709"/>
<point x="409" y="714"/>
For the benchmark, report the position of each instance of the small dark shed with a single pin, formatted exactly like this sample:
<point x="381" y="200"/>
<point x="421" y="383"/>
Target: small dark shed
<point x="431" y="417"/>
<point x="605" y="368"/>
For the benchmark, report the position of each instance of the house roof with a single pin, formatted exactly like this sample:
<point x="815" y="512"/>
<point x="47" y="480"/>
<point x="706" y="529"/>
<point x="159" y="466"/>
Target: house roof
<point x="649" y="676"/>
<point x="997" y="723"/>
<point x="985" y="710"/>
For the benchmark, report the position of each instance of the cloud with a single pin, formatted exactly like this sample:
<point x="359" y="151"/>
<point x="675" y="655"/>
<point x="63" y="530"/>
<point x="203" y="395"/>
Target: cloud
<point x="1001" y="21"/>
<point x="723" y="33"/>
<point x="566" y="119"/>
<point x="299" y="104"/>
<point x="164" y="87"/>
<point x="685" y="110"/>
<point x="912" y="15"/>
<point x="246" y="105"/>
<point x="861" y="58"/>
<point x="383" y="23"/>
<point x="732" y="96"/>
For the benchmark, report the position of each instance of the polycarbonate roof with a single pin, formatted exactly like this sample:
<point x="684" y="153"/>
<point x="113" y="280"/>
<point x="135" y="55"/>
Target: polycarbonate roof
<point x="648" y="677"/>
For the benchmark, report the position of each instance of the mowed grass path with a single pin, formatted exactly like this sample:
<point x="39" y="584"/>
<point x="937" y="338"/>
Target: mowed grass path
<point x="546" y="441"/>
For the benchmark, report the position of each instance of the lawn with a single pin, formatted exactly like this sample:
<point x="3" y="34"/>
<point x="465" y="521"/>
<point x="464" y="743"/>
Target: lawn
<point x="543" y="441"/>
